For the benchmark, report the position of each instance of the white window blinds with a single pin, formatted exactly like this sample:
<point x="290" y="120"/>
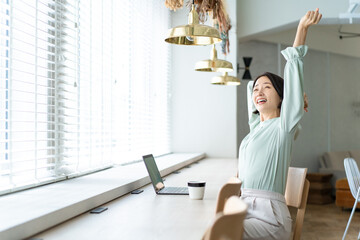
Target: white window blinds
<point x="141" y="89"/>
<point x="83" y="85"/>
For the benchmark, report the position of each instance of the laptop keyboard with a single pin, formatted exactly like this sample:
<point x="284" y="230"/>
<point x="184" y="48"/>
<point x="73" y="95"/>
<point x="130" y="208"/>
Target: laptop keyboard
<point x="174" y="190"/>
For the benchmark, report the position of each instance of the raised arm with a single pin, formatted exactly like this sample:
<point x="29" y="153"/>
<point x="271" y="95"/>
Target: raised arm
<point x="295" y="101"/>
<point x="292" y="107"/>
<point x="311" y="18"/>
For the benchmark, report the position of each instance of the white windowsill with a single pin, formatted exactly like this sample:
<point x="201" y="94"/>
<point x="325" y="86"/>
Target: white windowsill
<point x="26" y="213"/>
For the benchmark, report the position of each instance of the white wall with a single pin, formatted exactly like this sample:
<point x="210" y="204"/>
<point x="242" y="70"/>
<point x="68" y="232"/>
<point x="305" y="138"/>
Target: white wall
<point x="332" y="84"/>
<point x="260" y="16"/>
<point x="344" y="104"/>
<point x="204" y="115"/>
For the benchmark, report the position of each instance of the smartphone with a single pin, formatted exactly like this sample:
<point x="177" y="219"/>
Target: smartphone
<point x="99" y="210"/>
<point x="137" y="191"/>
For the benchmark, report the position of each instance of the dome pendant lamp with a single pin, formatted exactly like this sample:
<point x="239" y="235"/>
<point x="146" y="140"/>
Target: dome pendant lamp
<point x="213" y="64"/>
<point x="225" y="79"/>
<point x="193" y="33"/>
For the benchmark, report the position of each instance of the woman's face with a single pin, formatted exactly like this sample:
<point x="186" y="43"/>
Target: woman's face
<point x="265" y="97"/>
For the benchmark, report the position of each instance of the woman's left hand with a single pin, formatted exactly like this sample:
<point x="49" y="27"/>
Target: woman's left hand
<point x="310" y="18"/>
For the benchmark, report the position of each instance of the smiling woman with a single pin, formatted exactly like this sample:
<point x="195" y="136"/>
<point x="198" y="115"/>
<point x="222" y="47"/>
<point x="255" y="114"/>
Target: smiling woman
<point x="275" y="107"/>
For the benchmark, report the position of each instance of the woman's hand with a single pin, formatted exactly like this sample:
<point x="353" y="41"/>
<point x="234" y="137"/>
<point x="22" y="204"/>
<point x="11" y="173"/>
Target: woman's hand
<point x="310" y="18"/>
<point x="306" y="103"/>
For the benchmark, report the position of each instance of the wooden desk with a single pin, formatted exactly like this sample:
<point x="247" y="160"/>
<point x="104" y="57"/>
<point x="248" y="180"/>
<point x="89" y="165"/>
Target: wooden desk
<point x="151" y="216"/>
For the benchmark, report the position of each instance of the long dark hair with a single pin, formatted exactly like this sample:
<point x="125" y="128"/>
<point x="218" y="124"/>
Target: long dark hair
<point x="277" y="82"/>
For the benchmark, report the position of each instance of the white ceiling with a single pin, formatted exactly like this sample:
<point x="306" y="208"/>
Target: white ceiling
<point x="320" y="37"/>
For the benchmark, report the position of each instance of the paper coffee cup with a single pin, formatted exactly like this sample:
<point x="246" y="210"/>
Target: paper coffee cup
<point x="196" y="189"/>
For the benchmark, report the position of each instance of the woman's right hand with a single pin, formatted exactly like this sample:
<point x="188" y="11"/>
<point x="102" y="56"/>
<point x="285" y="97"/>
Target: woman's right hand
<point x="306" y="102"/>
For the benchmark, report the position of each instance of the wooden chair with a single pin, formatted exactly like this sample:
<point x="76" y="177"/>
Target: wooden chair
<point x="228" y="224"/>
<point x="231" y="188"/>
<point x="296" y="194"/>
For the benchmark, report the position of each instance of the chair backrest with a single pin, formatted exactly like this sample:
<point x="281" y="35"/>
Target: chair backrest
<point x="229" y="223"/>
<point x="296" y="194"/>
<point x="352" y="175"/>
<point x="231" y="188"/>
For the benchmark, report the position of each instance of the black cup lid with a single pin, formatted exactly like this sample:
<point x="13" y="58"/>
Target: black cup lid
<point x="196" y="184"/>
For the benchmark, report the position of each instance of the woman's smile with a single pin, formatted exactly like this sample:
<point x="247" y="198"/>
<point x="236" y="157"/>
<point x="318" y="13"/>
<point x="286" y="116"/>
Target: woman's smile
<point x="261" y="101"/>
<point x="266" y="99"/>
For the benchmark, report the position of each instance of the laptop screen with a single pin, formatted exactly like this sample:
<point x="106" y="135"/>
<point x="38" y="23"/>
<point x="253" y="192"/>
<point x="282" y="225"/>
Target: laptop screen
<point x="153" y="172"/>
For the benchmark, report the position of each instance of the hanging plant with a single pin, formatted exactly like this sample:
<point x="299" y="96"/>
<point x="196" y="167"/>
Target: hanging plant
<point x="225" y="43"/>
<point x="220" y="17"/>
<point x="174" y="4"/>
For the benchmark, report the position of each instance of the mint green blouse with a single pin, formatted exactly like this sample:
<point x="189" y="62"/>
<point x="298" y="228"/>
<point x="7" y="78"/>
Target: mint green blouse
<point x="265" y="153"/>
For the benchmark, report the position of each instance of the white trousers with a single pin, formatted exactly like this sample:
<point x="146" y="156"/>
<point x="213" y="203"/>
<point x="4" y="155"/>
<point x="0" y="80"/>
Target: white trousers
<point x="268" y="216"/>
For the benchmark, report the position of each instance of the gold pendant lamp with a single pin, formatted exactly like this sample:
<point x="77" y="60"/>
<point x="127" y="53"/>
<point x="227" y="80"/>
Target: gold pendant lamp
<point x="213" y="64"/>
<point x="225" y="79"/>
<point x="193" y="33"/>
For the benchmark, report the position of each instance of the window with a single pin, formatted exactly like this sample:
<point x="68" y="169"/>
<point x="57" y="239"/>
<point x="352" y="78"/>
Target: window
<point x="83" y="85"/>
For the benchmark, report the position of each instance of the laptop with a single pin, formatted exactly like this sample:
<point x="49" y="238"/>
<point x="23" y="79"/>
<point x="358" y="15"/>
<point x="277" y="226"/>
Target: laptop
<point x="157" y="181"/>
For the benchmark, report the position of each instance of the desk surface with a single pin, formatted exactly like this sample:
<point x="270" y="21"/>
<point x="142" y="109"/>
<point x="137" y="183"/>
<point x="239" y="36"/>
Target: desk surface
<point x="151" y="216"/>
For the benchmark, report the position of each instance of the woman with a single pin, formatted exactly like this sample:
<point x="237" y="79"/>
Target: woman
<point x="275" y="108"/>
